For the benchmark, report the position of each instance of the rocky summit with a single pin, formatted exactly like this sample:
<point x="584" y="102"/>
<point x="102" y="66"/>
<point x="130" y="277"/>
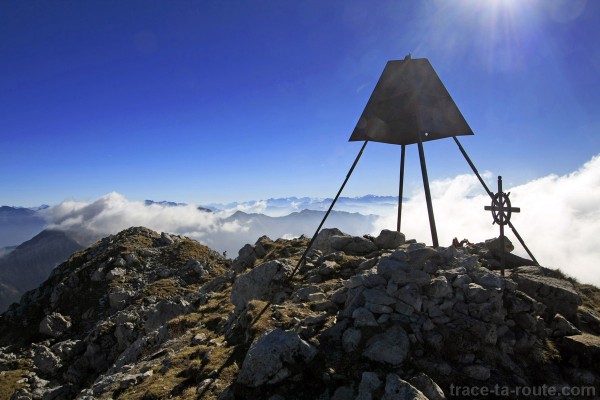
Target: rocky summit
<point x="143" y="315"/>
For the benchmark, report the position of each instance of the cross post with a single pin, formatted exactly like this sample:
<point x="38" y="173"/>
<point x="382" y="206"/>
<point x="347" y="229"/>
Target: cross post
<point x="501" y="211"/>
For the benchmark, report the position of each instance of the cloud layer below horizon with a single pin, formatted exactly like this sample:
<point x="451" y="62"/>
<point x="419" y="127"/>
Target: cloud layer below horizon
<point x="559" y="219"/>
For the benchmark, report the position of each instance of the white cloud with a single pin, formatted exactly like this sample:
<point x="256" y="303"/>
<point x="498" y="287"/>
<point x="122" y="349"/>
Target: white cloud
<point x="559" y="219"/>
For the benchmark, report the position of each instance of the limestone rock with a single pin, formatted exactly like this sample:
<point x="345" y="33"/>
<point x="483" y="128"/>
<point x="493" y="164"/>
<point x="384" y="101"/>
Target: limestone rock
<point x="343" y="393"/>
<point x="389" y="239"/>
<point x="245" y="259"/>
<point x="323" y="239"/>
<point x="115" y="273"/>
<point x="134" y="379"/>
<point x="418" y="256"/>
<point x="353" y="245"/>
<point x="257" y="283"/>
<point x="562" y="327"/>
<point x="586" y="347"/>
<point x="410" y="294"/>
<point x="378" y="296"/>
<point x="390" y="347"/>
<point x="557" y="294"/>
<point x="369" y="383"/>
<point x="351" y="339"/>
<point x="398" y="389"/>
<point x="477" y="294"/>
<point x="363" y="317"/>
<point x="427" y="386"/>
<point x="45" y="360"/>
<point x="273" y="356"/>
<point x="54" y="325"/>
<point x="590" y="319"/>
<point x="438" y="288"/>
<point x="164" y="311"/>
<point x="478" y="372"/>
<point x="388" y="267"/>
<point x="496" y="247"/>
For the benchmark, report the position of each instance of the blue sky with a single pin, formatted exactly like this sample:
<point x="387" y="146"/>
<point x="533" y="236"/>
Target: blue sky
<point x="218" y="101"/>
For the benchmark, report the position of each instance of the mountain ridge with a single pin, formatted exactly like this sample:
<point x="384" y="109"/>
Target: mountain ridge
<point x="142" y="315"/>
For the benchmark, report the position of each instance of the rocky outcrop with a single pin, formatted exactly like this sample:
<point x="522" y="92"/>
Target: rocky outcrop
<point x="54" y="325"/>
<point x="558" y="295"/>
<point x="259" y="283"/>
<point x="274" y="357"/>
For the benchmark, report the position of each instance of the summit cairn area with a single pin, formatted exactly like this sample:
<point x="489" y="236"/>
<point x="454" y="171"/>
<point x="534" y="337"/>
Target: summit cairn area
<point x="143" y="315"/>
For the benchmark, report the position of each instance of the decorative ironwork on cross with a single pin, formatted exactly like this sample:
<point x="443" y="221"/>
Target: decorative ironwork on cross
<point x="501" y="211"/>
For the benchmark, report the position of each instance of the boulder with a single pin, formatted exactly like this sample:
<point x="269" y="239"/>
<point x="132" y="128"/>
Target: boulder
<point x="562" y="327"/>
<point x="418" y="256"/>
<point x="369" y="383"/>
<point x="427" y="386"/>
<point x="410" y="294"/>
<point x="477" y="294"/>
<point x="134" y="379"/>
<point x="477" y="372"/>
<point x="363" y="317"/>
<point x="54" y="325"/>
<point x="378" y="296"/>
<point x="353" y="245"/>
<point x="389" y="239"/>
<point x="118" y="298"/>
<point x="368" y="279"/>
<point x="245" y="259"/>
<point x="45" y="360"/>
<point x="390" y="347"/>
<point x="557" y="294"/>
<point x="273" y="357"/>
<point x="586" y="347"/>
<point x="351" y="339"/>
<point x="496" y="246"/>
<point x="323" y="239"/>
<point x="343" y="393"/>
<point x="257" y="283"/>
<point x="389" y="267"/>
<point x="590" y="319"/>
<point x="115" y="273"/>
<point x="68" y="349"/>
<point x="438" y="288"/>
<point x="398" y="389"/>
<point x="164" y="311"/>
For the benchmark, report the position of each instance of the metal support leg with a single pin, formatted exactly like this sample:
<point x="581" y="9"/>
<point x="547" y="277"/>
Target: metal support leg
<point x="329" y="210"/>
<point x="401" y="189"/>
<point x="434" y="236"/>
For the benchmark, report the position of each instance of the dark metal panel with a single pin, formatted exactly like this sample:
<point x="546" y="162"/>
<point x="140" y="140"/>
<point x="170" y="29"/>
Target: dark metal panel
<point x="409" y="99"/>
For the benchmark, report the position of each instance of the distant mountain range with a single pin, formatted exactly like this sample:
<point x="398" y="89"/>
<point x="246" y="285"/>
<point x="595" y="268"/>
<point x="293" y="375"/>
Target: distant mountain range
<point x="18" y="224"/>
<point x="30" y="263"/>
<point x="29" y="251"/>
<point x="250" y="226"/>
<point x="369" y="204"/>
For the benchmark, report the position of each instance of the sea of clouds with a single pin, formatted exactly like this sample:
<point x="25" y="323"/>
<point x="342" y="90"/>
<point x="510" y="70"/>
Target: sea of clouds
<point x="559" y="219"/>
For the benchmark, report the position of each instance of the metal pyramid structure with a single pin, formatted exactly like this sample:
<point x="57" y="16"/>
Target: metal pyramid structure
<point x="410" y="105"/>
<point x="409" y="99"/>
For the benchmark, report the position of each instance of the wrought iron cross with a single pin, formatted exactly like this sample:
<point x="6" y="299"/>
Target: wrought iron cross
<point x="501" y="211"/>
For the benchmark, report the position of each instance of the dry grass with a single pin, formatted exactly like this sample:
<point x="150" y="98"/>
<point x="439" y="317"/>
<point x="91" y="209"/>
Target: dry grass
<point x="163" y="288"/>
<point x="550" y="353"/>
<point x="283" y="248"/>
<point x="186" y="249"/>
<point x="590" y="296"/>
<point x="8" y="382"/>
<point x="180" y="325"/>
<point x="189" y="367"/>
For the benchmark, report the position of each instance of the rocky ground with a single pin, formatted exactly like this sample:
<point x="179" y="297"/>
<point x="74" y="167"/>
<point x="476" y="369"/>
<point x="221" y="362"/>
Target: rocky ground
<point x="142" y="315"/>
